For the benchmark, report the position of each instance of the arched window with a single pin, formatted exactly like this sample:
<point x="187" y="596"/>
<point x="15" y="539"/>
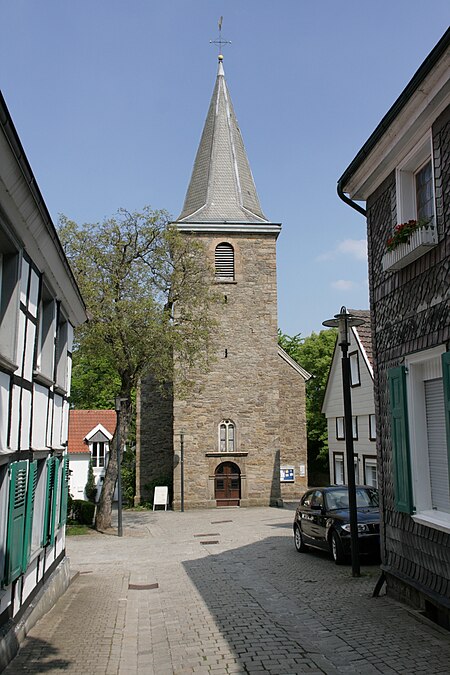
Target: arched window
<point x="226" y="436"/>
<point x="224" y="261"/>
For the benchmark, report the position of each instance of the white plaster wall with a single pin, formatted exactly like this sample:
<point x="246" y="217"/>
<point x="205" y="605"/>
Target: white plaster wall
<point x="78" y="467"/>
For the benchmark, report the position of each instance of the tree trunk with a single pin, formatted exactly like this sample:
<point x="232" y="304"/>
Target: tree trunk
<point x="104" y="508"/>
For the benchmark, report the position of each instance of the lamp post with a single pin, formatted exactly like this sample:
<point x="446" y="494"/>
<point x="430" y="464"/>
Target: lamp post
<point x="118" y="407"/>
<point x="343" y="321"/>
<point x="182" y="469"/>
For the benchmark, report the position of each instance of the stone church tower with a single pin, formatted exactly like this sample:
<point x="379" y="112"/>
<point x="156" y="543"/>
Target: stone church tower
<point x="245" y="421"/>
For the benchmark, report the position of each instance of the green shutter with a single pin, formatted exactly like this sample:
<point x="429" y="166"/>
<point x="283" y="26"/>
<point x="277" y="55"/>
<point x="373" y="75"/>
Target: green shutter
<point x="54" y="501"/>
<point x="400" y="440"/>
<point x="48" y="499"/>
<point x="446" y="379"/>
<point x="64" y="491"/>
<point x="31" y="491"/>
<point x="16" y="520"/>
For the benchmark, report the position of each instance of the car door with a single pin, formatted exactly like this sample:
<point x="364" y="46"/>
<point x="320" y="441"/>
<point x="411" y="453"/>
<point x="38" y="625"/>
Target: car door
<point x="306" y="515"/>
<point x="318" y="519"/>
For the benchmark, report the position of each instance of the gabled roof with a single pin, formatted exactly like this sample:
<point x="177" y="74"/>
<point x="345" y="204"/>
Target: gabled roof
<point x="296" y="366"/>
<point x="221" y="189"/>
<point x="83" y="422"/>
<point x="363" y="335"/>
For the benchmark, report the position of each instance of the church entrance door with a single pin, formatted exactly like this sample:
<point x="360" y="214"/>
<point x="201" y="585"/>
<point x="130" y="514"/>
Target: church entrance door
<point x="227" y="484"/>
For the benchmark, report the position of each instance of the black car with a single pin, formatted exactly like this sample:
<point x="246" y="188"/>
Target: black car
<point x="322" y="520"/>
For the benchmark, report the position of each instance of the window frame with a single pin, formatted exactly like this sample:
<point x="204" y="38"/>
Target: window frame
<point x="355" y="371"/>
<point x="340" y="436"/>
<point x="338" y="455"/>
<point x="355" y="427"/>
<point x="10" y="280"/>
<point x="370" y="460"/>
<point x="228" y="424"/>
<point x="405" y="179"/>
<point x="372" y="427"/>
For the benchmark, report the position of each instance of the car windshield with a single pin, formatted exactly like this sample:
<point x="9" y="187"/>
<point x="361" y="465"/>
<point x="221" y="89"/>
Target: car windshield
<point x="338" y="498"/>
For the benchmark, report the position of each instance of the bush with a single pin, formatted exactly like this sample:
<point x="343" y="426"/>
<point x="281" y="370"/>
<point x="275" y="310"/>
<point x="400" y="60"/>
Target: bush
<point x="83" y="512"/>
<point x="91" y="488"/>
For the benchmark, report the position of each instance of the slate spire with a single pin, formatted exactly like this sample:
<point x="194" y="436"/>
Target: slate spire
<point x="221" y="188"/>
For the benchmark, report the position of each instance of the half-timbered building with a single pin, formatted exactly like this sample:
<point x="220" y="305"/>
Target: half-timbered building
<point x="39" y="306"/>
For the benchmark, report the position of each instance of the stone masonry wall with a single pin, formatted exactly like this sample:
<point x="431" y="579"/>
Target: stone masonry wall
<point x="410" y="313"/>
<point x="242" y="384"/>
<point x="292" y="429"/>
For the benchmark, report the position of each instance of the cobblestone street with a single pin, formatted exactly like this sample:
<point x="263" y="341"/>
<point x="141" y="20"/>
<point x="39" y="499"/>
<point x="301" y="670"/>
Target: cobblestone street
<point x="222" y="591"/>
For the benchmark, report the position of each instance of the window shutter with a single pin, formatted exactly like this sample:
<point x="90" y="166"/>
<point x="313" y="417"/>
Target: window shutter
<point x="64" y="491"/>
<point x="224" y="261"/>
<point x="54" y="500"/>
<point x="16" y="520"/>
<point x="48" y="499"/>
<point x="31" y="491"/>
<point x="446" y="382"/>
<point x="400" y="440"/>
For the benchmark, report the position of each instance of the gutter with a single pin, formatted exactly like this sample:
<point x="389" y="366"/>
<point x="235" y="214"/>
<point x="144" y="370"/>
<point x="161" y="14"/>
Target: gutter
<point x="427" y="66"/>
<point x="20" y="156"/>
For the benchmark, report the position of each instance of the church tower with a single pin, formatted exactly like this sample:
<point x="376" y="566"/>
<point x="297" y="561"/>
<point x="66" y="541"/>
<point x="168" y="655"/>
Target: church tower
<point x="226" y="444"/>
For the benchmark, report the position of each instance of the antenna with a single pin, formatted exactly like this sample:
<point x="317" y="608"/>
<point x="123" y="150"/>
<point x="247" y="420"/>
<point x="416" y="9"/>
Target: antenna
<point x="219" y="42"/>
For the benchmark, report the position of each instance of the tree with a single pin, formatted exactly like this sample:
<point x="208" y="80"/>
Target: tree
<point x="91" y="488"/>
<point x="145" y="289"/>
<point x="94" y="383"/>
<point x="315" y="354"/>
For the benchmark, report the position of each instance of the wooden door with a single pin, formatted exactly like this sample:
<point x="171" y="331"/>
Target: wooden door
<point x="227" y="484"/>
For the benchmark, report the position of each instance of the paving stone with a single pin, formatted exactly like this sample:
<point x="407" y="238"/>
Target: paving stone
<point x="244" y="608"/>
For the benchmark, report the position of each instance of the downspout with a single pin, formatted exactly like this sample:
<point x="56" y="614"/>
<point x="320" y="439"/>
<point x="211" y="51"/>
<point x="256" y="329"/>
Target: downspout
<point x="349" y="201"/>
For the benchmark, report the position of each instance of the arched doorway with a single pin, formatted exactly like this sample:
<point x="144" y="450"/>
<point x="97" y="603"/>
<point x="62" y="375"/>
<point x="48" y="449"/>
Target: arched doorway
<point x="227" y="484"/>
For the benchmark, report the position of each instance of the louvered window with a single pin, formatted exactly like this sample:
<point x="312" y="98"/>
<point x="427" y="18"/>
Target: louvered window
<point x="224" y="261"/>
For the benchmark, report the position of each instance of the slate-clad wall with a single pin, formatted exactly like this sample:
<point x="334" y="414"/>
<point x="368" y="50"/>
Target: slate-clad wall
<point x="410" y="314"/>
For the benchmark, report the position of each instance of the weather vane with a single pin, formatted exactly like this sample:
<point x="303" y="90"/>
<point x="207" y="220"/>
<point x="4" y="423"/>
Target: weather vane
<point x="219" y="42"/>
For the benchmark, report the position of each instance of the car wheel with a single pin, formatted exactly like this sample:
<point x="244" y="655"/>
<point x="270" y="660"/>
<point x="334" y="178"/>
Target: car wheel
<point x="336" y="549"/>
<point x="298" y="540"/>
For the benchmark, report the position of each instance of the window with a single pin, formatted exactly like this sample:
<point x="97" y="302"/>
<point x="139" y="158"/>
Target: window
<point x="414" y="178"/>
<point x="62" y="334"/>
<point x="340" y="428"/>
<point x="356" y="469"/>
<point x="372" y="428"/>
<point x="316" y="500"/>
<point x="45" y="352"/>
<point x="355" y="379"/>
<point x="224" y="261"/>
<point x="226" y="436"/>
<point x="370" y="471"/>
<point x="9" y="299"/>
<point x="420" y="402"/>
<point x="355" y="428"/>
<point x="98" y="455"/>
<point x="338" y="467"/>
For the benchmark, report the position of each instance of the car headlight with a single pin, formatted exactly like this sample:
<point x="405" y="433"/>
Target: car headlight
<point x="361" y="528"/>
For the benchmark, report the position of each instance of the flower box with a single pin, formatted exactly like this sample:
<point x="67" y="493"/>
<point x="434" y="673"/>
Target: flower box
<point x="419" y="243"/>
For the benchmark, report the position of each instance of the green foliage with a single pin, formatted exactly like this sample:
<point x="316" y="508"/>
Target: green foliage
<point x="73" y="529"/>
<point x="95" y="382"/>
<point x="128" y="473"/>
<point x="91" y="489"/>
<point x="82" y="512"/>
<point x="143" y="283"/>
<point x="314" y="353"/>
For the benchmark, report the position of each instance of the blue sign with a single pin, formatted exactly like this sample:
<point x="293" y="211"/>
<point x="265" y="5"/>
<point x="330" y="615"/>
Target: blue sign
<point x="287" y="474"/>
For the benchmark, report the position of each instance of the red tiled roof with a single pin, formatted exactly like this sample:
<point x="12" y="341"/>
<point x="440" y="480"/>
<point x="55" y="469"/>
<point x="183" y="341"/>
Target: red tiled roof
<point x="81" y="422"/>
<point x="364" y="331"/>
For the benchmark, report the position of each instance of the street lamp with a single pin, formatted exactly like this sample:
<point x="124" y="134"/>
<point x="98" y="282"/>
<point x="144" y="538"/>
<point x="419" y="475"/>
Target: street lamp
<point x="182" y="469"/>
<point x="343" y="321"/>
<point x="118" y="407"/>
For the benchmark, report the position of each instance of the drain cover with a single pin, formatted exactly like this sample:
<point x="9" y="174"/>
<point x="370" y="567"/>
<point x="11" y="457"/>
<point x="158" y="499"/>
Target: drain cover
<point x="142" y="587"/>
<point x="209" y="542"/>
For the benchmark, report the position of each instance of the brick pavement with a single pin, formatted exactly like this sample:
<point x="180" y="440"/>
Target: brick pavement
<point x="247" y="604"/>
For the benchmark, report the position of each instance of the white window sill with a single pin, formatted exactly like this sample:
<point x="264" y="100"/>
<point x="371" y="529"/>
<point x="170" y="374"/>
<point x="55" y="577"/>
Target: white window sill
<point x="438" y="520"/>
<point x="419" y="243"/>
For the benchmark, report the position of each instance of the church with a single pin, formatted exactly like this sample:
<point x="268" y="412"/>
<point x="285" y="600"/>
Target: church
<point x="239" y="437"/>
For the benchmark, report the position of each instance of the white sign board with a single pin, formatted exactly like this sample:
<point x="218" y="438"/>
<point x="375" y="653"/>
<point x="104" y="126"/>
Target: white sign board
<point x="161" y="497"/>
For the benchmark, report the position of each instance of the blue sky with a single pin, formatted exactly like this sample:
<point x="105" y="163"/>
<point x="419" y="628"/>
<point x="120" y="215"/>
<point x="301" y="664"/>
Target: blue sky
<point x="109" y="99"/>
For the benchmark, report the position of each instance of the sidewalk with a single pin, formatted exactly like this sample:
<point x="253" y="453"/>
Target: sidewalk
<point x="222" y="591"/>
